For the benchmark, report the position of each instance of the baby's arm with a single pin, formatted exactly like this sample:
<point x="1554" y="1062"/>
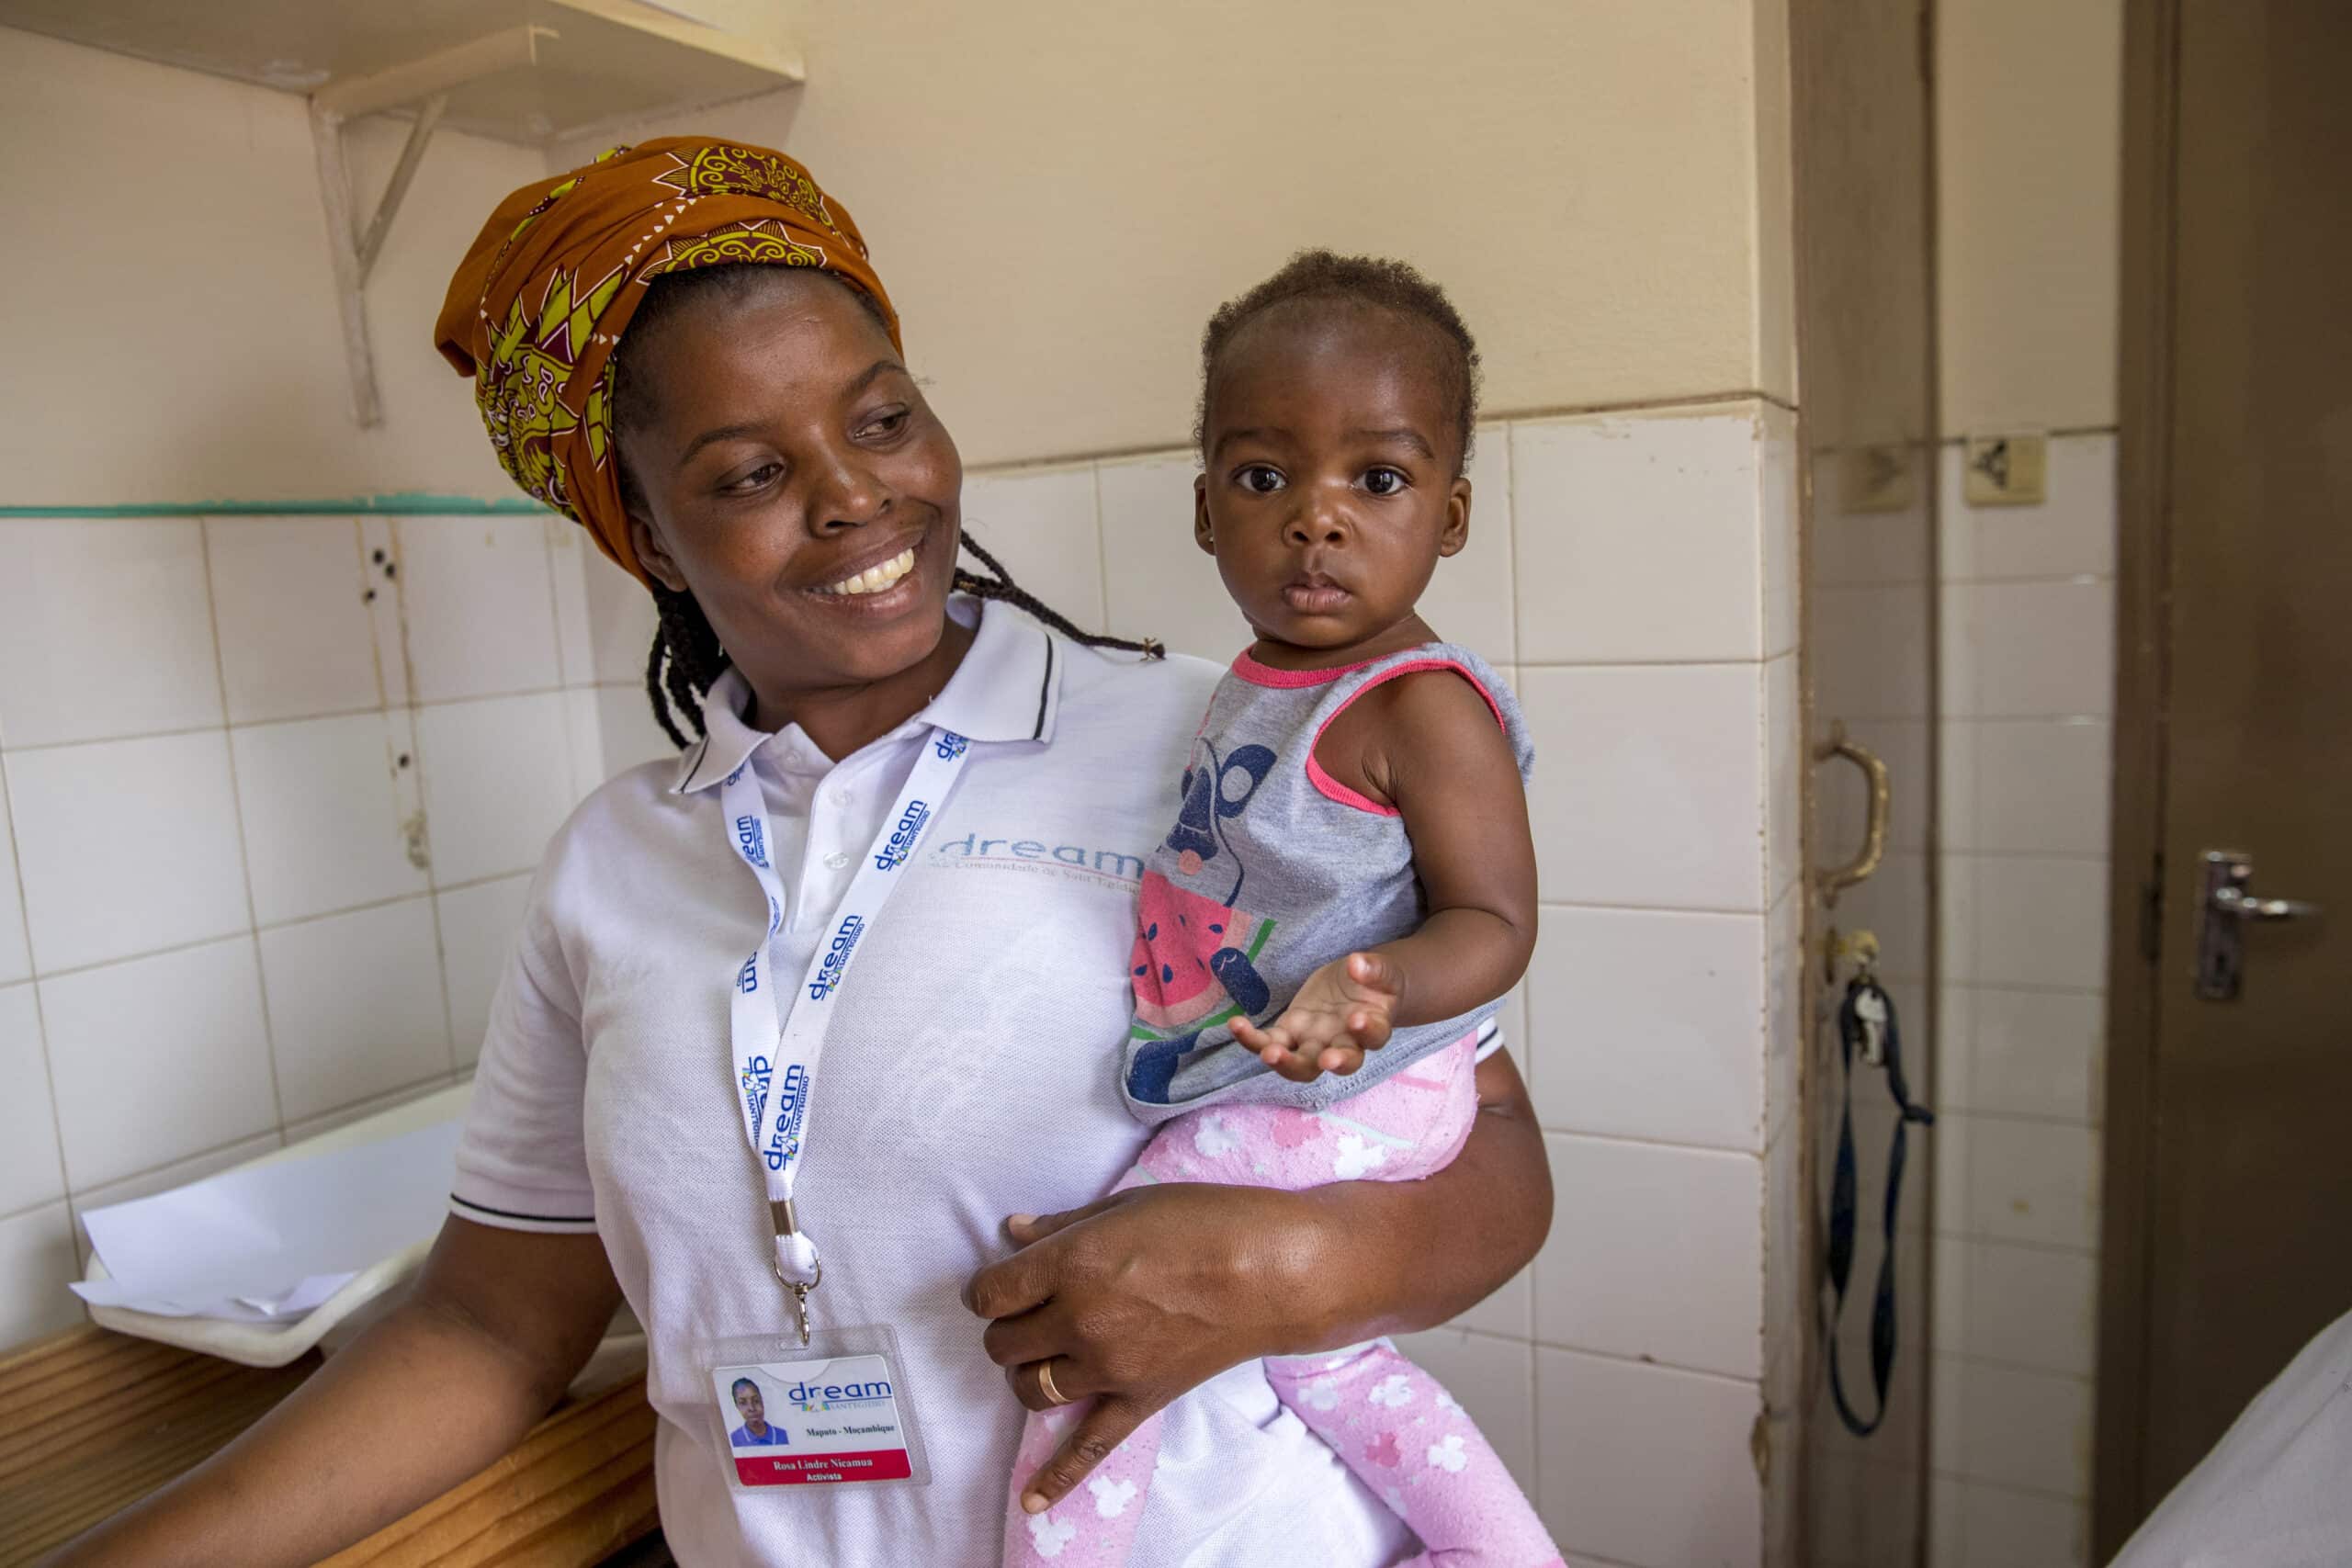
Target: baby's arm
<point x="1428" y="745"/>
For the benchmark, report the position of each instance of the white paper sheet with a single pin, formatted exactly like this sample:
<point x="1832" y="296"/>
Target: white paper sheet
<point x="268" y="1243"/>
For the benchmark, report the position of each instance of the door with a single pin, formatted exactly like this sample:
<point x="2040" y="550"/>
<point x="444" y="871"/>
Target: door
<point x="2230" y="1186"/>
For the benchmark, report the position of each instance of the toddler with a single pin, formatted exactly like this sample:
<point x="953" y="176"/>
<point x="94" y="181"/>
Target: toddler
<point x="1349" y="888"/>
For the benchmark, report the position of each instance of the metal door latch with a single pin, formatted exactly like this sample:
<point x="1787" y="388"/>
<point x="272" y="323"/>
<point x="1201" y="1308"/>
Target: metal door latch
<point x="2223" y="911"/>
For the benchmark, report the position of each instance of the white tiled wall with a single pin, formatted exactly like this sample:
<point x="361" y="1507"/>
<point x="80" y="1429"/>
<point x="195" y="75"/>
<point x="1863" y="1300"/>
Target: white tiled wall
<point x="199" y="866"/>
<point x="2029" y="606"/>
<point x="1633" y="576"/>
<point x="273" y="790"/>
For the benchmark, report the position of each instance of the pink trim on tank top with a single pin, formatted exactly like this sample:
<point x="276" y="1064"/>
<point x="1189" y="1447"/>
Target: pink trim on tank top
<point x="1332" y="788"/>
<point x="1259" y="673"/>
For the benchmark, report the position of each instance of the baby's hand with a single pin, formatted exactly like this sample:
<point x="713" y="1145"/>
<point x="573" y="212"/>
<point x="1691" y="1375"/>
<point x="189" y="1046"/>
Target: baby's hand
<point x="1342" y="1011"/>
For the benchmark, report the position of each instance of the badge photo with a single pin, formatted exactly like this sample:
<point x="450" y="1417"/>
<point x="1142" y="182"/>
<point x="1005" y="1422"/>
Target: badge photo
<point x="833" y="1416"/>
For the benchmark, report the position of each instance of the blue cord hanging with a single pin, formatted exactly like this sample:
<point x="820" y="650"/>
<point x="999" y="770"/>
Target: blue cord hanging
<point x="1866" y="1002"/>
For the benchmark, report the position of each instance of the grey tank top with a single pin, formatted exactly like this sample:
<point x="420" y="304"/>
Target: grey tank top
<point x="1272" y="870"/>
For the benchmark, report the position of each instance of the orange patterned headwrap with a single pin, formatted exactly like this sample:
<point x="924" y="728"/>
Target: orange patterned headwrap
<point x="541" y="300"/>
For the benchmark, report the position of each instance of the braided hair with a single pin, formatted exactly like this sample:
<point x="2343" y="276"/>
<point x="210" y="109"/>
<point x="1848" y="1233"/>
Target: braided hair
<point x="686" y="655"/>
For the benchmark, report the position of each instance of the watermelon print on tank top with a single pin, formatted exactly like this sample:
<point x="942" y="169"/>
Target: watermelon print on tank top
<point x="1272" y="870"/>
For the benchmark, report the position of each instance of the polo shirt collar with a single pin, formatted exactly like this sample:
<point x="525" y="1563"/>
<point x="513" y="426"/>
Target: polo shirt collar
<point x="1007" y="688"/>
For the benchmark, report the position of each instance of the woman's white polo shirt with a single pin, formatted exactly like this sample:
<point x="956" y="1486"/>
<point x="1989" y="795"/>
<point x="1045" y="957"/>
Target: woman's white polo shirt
<point x="970" y="1073"/>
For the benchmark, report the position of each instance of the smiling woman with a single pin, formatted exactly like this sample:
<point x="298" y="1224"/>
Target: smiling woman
<point x="683" y="348"/>
<point x="729" y="468"/>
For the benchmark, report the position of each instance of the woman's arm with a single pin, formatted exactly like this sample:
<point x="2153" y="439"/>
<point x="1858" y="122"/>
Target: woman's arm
<point x="1151" y="1292"/>
<point x="499" y="1323"/>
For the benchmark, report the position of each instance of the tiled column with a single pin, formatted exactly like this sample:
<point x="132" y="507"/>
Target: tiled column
<point x="2029" y="618"/>
<point x="1655" y="595"/>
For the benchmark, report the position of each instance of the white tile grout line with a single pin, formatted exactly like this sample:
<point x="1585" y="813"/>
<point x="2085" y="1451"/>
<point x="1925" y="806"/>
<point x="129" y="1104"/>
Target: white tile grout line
<point x="1537" y="1342"/>
<point x="1716" y="912"/>
<point x="1975" y="580"/>
<point x="381" y="707"/>
<point x="2070" y="857"/>
<point x="433" y="889"/>
<point x="1510" y="567"/>
<point x="2022" y="988"/>
<point x="2021" y="1118"/>
<point x="40" y="1017"/>
<point x="1101" y="543"/>
<point x="1982" y="719"/>
<point x="2003" y="1363"/>
<point x="1581" y="666"/>
<point x="1754" y="1385"/>
<point x="218" y="937"/>
<point x="1729" y="1151"/>
<point x="175" y="732"/>
<point x="244" y="865"/>
<point x="399" y="579"/>
<point x="2042" y="1494"/>
<point x="1978" y="1238"/>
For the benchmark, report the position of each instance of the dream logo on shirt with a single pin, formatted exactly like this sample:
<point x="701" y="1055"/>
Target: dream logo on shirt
<point x="894" y="855"/>
<point x="751" y="841"/>
<point x="828" y="978"/>
<point x="950" y="745"/>
<point x="791" y="1107"/>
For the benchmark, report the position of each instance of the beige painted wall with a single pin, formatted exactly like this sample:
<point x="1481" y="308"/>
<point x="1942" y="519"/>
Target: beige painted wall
<point x="2029" y="141"/>
<point x="1059" y="193"/>
<point x="169" y="321"/>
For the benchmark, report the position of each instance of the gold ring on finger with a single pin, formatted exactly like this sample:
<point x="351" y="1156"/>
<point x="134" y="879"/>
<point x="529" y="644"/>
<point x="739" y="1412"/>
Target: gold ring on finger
<point x="1046" y="1385"/>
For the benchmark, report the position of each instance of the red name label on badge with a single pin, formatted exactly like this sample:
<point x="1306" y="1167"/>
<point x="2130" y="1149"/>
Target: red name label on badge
<point x="828" y="1419"/>
<point x="881" y="1464"/>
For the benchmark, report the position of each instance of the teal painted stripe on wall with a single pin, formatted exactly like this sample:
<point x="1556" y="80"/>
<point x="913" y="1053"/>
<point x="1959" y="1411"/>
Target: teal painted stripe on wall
<point x="403" y="503"/>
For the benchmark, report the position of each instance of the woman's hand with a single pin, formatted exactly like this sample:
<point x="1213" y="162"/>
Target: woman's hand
<point x="1142" y="1296"/>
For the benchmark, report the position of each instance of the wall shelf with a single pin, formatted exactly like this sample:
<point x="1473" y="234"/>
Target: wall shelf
<point x="527" y="72"/>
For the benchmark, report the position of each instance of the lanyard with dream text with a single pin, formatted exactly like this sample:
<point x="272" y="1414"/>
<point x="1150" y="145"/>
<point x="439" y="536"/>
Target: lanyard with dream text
<point x="775" y="1090"/>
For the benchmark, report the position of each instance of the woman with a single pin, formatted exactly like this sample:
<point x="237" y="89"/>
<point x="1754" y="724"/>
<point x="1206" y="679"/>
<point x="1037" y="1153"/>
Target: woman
<point x="757" y="453"/>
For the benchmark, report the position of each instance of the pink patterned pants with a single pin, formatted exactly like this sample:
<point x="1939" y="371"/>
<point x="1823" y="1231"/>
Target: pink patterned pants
<point x="1404" y="1436"/>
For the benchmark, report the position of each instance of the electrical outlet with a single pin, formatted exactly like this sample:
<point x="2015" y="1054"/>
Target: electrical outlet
<point x="2007" y="471"/>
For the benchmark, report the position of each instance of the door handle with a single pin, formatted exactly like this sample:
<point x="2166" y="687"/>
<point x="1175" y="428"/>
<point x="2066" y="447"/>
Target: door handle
<point x="2247" y="907"/>
<point x="2223" y="914"/>
<point x="1836" y="879"/>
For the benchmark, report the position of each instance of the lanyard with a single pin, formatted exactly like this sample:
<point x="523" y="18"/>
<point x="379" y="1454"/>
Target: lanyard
<point x="774" y="1089"/>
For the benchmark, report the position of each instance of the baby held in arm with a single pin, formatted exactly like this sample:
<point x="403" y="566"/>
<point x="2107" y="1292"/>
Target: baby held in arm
<point x="1349" y="887"/>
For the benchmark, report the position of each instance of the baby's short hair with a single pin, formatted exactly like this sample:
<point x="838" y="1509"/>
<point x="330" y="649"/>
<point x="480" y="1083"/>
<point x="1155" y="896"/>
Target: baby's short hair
<point x="1380" y="282"/>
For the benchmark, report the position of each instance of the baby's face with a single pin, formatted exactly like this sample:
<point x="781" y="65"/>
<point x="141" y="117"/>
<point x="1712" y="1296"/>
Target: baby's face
<point x="1328" y="491"/>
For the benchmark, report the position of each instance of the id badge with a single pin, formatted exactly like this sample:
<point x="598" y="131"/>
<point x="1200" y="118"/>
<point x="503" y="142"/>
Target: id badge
<point x="833" y="1413"/>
